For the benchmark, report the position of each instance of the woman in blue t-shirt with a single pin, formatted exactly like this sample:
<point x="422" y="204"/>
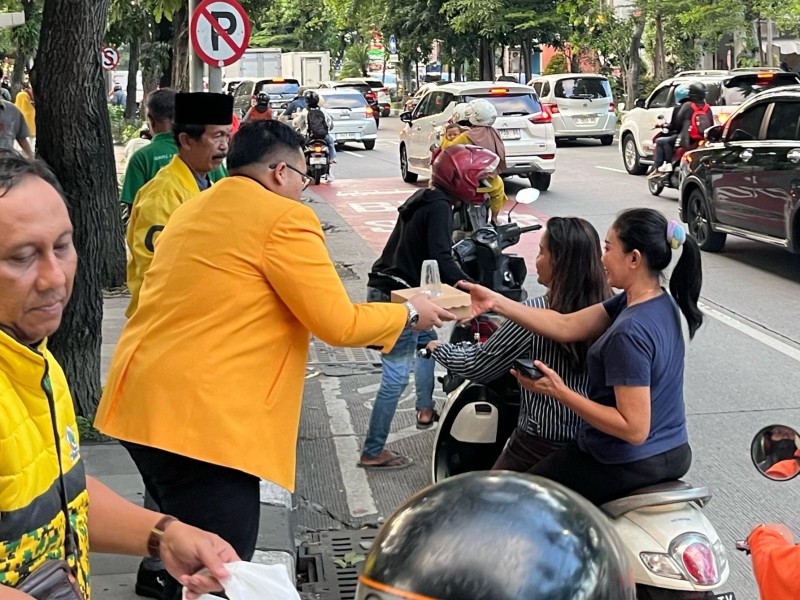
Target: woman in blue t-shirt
<point x="634" y="431"/>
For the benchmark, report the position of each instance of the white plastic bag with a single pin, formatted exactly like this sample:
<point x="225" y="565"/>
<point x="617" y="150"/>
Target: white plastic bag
<point x="252" y="581"/>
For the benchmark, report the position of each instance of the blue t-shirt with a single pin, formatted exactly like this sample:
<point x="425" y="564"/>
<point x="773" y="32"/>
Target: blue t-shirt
<point x="642" y="347"/>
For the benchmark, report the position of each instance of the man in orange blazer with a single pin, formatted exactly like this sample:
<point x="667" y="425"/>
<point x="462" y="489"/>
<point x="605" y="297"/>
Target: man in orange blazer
<point x="205" y="386"/>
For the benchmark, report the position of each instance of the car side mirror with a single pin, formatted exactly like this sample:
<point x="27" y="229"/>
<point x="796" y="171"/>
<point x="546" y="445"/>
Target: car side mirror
<point x="639" y="103"/>
<point x="405" y="117"/>
<point x="775" y="451"/>
<point x="714" y="134"/>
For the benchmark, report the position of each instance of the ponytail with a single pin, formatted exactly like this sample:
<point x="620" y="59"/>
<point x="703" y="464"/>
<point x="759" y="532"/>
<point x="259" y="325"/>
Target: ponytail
<point x="685" y="284"/>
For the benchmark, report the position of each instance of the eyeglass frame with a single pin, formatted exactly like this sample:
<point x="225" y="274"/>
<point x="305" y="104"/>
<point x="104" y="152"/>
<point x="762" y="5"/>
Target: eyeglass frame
<point x="307" y="179"/>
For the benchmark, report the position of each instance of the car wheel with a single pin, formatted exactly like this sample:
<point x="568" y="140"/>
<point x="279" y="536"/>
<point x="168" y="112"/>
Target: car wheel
<point x="540" y="181"/>
<point x="607" y="140"/>
<point x="408" y="176"/>
<point x="700" y="224"/>
<point x="369" y="144"/>
<point x="631" y="156"/>
<point x="655" y="186"/>
<point x="386" y="112"/>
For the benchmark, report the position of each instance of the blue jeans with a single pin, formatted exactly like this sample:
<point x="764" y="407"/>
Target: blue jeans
<point x="331" y="146"/>
<point x="397" y="366"/>
<point x="664" y="148"/>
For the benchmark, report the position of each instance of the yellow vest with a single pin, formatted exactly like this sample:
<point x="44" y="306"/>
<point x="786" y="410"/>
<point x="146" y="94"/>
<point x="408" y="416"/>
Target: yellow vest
<point x="31" y="520"/>
<point x="496" y="190"/>
<point x="173" y="185"/>
<point x="212" y="363"/>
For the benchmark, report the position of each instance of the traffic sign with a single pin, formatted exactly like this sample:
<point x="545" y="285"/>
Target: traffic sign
<point x="392" y="44"/>
<point x="109" y="58"/>
<point x="220" y="32"/>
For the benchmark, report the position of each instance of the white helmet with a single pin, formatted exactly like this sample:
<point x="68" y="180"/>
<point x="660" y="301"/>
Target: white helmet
<point x="481" y="112"/>
<point x="459" y="113"/>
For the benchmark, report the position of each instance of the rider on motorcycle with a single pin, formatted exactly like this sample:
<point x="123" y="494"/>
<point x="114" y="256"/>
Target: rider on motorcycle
<point x="313" y="123"/>
<point x="682" y="120"/>
<point x="662" y="159"/>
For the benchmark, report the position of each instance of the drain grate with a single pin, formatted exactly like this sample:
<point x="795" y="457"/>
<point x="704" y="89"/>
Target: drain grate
<point x="325" y="579"/>
<point x="320" y="353"/>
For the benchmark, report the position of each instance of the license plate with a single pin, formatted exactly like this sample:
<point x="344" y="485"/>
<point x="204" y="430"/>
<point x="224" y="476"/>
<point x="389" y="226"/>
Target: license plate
<point x="725" y="596"/>
<point x="509" y="134"/>
<point x="344" y="116"/>
<point x="318" y="160"/>
<point x="585" y="121"/>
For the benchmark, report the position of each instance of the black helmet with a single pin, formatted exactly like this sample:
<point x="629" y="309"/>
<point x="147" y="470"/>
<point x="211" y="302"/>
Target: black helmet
<point x="312" y="98"/>
<point x="697" y="91"/>
<point x="262" y="98"/>
<point x="496" y="535"/>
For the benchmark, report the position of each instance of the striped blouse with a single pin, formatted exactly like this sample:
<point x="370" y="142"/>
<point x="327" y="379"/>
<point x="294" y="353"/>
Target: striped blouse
<point x="539" y="415"/>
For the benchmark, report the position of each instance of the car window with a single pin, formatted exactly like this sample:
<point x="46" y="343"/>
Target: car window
<point x="438" y="102"/>
<point x="507" y="105"/>
<point x="363" y="88"/>
<point x="582" y="88"/>
<point x="745" y="126"/>
<point x="538" y="87"/>
<point x="344" y="101"/>
<point x="660" y="97"/>
<point x="738" y="89"/>
<point x="278" y="88"/>
<point x="243" y="89"/>
<point x="546" y="89"/>
<point x="784" y="122"/>
<point x="423" y="107"/>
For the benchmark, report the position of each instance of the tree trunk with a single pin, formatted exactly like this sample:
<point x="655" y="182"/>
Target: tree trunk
<point x="635" y="71"/>
<point x="180" y="51"/>
<point x="79" y="149"/>
<point x="133" y="69"/>
<point x="660" y="58"/>
<point x="486" y="60"/>
<point x="526" y="51"/>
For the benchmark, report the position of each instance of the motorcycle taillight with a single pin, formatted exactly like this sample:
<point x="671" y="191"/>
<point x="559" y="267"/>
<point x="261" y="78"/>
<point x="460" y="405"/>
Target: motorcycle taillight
<point x="317" y="148"/>
<point x="700" y="563"/>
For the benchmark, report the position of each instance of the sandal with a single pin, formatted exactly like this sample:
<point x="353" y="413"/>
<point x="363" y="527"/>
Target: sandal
<point x="392" y="460"/>
<point x="426" y="423"/>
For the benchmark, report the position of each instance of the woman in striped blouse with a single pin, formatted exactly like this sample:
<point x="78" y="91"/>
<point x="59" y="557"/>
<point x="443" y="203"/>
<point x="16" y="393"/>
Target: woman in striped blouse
<point x="569" y="265"/>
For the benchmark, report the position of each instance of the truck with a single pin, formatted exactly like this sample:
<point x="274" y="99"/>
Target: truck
<point x="309" y="68"/>
<point x="256" y="62"/>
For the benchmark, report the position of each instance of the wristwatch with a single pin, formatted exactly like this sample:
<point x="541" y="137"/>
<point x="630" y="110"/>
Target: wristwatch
<point x="413" y="315"/>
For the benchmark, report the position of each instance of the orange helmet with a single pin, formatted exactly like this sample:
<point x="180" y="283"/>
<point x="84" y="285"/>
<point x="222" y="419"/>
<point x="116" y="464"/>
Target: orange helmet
<point x="458" y="170"/>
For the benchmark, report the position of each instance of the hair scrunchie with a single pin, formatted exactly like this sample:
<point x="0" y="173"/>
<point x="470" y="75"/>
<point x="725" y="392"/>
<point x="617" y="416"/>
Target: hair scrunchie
<point x="676" y="234"/>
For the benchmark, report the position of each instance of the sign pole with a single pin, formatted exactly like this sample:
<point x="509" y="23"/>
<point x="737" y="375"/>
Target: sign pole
<point x="196" y="66"/>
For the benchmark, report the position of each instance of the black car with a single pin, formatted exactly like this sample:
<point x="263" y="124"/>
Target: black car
<point x="281" y="92"/>
<point x="746" y="180"/>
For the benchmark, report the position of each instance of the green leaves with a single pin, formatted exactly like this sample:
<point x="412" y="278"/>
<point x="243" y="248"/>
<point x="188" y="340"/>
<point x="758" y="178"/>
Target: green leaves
<point x="351" y="559"/>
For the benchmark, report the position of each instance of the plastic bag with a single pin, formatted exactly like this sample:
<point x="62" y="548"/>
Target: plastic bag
<point x="253" y="581"/>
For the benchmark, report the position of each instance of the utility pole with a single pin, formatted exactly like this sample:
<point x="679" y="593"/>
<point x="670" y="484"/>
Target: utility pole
<point x="196" y="66"/>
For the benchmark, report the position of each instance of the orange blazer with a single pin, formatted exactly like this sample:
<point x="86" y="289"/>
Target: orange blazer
<point x="212" y="363"/>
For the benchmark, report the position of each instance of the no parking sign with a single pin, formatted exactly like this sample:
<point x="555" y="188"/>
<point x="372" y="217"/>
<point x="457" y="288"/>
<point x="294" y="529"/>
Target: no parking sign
<point x="220" y="32"/>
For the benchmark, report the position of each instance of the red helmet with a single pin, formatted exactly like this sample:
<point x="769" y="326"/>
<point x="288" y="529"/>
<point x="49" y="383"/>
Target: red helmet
<point x="458" y="170"/>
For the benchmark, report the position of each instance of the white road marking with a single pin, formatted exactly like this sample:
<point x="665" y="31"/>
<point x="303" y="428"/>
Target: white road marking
<point x="351" y="153"/>
<point x="360" y="500"/>
<point x="752" y="332"/>
<point x="611" y="169"/>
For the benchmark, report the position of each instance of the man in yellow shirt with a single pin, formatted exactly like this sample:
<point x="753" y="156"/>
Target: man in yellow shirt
<point x="206" y="383"/>
<point x="202" y="130"/>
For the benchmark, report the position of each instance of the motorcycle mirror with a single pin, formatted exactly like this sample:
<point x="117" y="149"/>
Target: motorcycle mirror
<point x="775" y="451"/>
<point x="527" y="196"/>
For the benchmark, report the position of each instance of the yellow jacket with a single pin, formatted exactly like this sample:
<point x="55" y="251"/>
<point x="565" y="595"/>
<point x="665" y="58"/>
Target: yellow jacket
<point x="31" y="521"/>
<point x="212" y="363"/>
<point x="173" y="185"/>
<point x="497" y="191"/>
<point x="24" y="104"/>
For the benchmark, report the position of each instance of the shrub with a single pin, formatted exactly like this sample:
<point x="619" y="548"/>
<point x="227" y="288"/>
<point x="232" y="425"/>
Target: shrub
<point x="557" y="64"/>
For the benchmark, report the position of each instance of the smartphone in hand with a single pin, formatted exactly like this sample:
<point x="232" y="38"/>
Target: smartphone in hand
<point x="525" y="367"/>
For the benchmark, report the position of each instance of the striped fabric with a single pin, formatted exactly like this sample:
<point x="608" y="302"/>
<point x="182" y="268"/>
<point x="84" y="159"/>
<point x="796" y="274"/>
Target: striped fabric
<point x="539" y="415"/>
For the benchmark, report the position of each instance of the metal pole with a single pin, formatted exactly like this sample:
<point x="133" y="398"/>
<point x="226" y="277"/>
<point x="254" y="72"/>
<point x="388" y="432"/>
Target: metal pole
<point x="770" y="59"/>
<point x="196" y="66"/>
<point x="214" y="79"/>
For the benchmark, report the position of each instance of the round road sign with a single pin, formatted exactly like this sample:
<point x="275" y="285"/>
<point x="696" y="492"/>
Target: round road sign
<point x="109" y="58"/>
<point x="220" y="32"/>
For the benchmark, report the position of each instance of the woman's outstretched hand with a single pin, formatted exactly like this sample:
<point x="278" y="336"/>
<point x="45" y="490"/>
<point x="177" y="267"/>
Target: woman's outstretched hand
<point x="483" y="299"/>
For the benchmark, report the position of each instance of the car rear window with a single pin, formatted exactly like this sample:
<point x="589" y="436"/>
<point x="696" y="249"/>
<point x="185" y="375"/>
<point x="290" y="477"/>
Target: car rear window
<point x="279" y="88"/>
<point x="363" y="88"/>
<point x="739" y="88"/>
<point x="511" y="104"/>
<point x="344" y="101"/>
<point x="582" y="88"/>
<point x="375" y="85"/>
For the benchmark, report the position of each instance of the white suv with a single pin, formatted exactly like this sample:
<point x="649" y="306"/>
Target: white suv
<point x="524" y="125"/>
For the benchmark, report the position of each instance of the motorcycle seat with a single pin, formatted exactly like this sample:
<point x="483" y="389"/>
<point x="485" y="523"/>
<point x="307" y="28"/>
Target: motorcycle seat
<point x="668" y="492"/>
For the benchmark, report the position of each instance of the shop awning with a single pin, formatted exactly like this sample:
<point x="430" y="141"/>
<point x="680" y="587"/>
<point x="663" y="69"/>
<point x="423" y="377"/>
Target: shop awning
<point x="785" y="46"/>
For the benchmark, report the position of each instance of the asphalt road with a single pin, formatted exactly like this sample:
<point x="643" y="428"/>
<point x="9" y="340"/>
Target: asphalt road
<point x="741" y="367"/>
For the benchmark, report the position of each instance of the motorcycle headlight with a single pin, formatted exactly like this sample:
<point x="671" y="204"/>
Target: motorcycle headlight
<point x="661" y="564"/>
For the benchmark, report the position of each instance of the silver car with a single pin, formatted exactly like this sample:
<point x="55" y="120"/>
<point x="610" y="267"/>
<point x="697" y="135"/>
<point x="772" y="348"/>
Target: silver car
<point x="353" y="120"/>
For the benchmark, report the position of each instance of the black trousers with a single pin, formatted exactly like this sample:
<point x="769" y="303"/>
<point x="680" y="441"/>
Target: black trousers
<point x="523" y="451"/>
<point x="600" y="483"/>
<point x="218" y="499"/>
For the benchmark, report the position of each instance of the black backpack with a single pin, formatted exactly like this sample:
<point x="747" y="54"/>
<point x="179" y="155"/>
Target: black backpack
<point x="317" y="127"/>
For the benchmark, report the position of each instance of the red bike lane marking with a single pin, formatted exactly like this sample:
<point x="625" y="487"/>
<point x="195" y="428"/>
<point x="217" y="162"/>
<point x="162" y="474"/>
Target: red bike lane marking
<point x="370" y="207"/>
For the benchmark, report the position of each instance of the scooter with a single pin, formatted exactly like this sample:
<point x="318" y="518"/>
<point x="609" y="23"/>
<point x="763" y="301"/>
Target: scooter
<point x="318" y="161"/>
<point x="657" y="183"/>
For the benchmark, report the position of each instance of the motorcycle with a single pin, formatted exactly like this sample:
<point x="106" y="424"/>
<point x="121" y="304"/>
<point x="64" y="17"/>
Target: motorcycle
<point x="373" y="108"/>
<point x="657" y="183"/>
<point x="318" y="162"/>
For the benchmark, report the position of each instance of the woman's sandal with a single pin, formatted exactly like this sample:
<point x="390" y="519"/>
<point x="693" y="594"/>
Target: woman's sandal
<point x="392" y="461"/>
<point x="432" y="417"/>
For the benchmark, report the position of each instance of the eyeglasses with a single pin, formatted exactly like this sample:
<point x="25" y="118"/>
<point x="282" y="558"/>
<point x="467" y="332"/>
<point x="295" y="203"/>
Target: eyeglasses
<point x="307" y="179"/>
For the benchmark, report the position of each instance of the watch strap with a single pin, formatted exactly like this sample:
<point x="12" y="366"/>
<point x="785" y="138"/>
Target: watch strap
<point x="156" y="533"/>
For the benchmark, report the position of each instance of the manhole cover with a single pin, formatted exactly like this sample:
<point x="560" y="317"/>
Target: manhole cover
<point x="320" y="353"/>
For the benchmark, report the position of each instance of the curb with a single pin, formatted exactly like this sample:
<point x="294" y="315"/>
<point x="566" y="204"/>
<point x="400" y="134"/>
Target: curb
<point x="276" y="543"/>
